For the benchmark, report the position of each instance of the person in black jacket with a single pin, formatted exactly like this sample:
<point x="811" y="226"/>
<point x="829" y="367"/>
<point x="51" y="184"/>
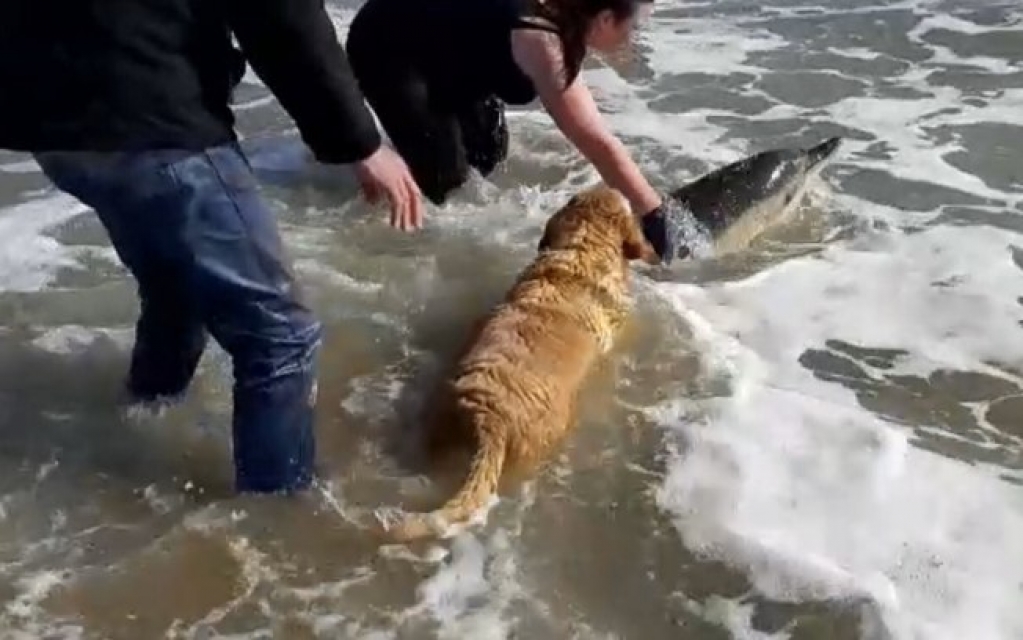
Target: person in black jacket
<point x="124" y="105"/>
<point x="439" y="72"/>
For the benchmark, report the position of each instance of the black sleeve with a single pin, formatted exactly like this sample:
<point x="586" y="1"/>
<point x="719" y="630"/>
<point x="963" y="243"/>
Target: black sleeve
<point x="293" y="48"/>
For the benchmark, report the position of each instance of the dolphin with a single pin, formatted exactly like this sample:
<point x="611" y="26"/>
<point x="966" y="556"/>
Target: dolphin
<point x="733" y="204"/>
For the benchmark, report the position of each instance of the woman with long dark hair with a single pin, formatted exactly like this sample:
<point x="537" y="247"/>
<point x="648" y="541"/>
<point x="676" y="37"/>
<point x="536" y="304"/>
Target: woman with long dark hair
<point x="438" y="73"/>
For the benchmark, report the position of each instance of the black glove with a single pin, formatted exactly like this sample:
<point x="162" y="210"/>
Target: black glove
<point x="666" y="229"/>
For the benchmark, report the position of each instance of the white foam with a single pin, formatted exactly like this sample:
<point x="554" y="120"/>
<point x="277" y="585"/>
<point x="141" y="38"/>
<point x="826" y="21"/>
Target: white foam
<point x="29" y="259"/>
<point x="735" y="617"/>
<point x="945" y="55"/>
<point x="815" y="497"/>
<point x="71" y="339"/>
<point x="24" y="609"/>
<point x="472" y="595"/>
<point x="317" y="271"/>
<point x="449" y="593"/>
<point x="857" y="53"/>
<point x="954" y="23"/>
<point x="706" y="45"/>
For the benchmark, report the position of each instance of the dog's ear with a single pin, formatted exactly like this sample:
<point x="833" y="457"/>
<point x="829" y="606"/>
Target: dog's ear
<point x="641" y="250"/>
<point x="636" y="247"/>
<point x="558" y="224"/>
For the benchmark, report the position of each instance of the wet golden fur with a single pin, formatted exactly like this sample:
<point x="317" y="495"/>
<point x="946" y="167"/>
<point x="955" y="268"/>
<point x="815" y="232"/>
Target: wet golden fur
<point x="513" y="390"/>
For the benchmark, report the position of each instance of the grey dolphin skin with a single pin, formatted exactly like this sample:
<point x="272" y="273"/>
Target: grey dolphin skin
<point x="735" y="203"/>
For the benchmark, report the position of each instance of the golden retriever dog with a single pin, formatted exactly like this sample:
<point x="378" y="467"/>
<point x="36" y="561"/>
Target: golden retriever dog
<point x="513" y="390"/>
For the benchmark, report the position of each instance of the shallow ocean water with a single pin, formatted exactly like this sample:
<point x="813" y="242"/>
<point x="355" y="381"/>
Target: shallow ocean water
<point x="819" y="437"/>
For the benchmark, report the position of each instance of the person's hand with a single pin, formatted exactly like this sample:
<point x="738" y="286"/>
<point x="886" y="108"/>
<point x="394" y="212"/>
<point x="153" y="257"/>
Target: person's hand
<point x="385" y="173"/>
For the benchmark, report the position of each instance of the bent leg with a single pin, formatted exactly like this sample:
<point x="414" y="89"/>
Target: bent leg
<point x="124" y="191"/>
<point x="169" y="340"/>
<point x="249" y="303"/>
<point x="206" y="253"/>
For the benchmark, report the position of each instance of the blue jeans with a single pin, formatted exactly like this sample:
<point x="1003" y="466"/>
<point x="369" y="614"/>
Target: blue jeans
<point x="206" y="254"/>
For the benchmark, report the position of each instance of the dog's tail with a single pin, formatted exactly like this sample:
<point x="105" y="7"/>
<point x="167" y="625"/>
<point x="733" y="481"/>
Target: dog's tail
<point x="481" y="482"/>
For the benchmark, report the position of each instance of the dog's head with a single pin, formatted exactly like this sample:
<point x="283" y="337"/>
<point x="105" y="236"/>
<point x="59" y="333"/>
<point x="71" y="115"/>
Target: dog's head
<point x="598" y="215"/>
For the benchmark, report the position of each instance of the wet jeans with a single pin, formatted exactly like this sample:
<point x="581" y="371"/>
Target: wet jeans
<point x="206" y="254"/>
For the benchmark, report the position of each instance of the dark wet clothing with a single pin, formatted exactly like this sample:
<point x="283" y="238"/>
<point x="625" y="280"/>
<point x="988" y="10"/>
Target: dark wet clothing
<point x="129" y="75"/>
<point x="438" y="74"/>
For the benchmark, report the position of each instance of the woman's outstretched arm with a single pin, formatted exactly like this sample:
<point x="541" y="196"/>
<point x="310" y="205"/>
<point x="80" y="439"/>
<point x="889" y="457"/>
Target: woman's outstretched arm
<point x="575" y="113"/>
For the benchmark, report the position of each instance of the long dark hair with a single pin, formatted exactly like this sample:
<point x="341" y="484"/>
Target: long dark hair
<point x="572" y="19"/>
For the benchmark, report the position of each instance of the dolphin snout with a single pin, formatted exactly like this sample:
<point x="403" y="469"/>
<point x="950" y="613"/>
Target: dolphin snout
<point x="823" y="151"/>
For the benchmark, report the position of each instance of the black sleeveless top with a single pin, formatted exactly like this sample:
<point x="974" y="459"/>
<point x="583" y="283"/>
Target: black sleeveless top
<point x="462" y="47"/>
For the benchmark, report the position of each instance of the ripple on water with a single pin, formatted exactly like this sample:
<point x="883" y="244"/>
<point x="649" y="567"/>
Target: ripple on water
<point x="991" y="151"/>
<point x="879" y="186"/>
<point x="871" y="68"/>
<point x="883" y="30"/>
<point x="973" y="81"/>
<point x="710" y="97"/>
<point x="999" y="45"/>
<point x="996" y="217"/>
<point x="810" y="89"/>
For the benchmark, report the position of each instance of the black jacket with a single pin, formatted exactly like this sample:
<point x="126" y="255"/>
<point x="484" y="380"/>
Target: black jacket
<point x="142" y="74"/>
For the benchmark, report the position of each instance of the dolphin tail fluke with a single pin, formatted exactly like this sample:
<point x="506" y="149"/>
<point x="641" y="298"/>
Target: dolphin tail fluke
<point x="824" y="150"/>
